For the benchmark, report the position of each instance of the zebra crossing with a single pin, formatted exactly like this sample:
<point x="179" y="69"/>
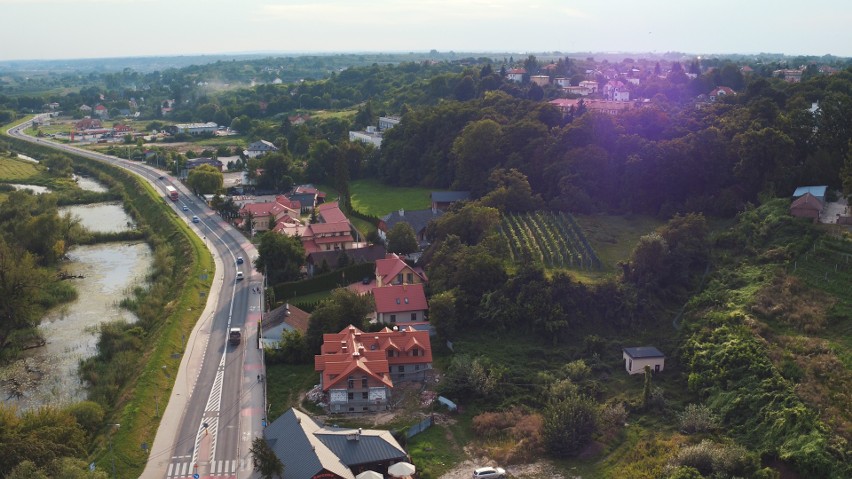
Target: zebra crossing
<point x="180" y="470"/>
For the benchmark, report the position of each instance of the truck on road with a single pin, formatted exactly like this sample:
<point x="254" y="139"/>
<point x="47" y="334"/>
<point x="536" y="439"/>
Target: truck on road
<point x="234" y="336"/>
<point x="172" y="192"/>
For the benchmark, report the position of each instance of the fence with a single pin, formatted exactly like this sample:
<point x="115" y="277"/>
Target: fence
<point x="419" y="427"/>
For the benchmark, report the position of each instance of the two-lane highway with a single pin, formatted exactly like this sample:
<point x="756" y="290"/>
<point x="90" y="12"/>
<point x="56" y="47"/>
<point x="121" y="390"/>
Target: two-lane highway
<point x="217" y="402"/>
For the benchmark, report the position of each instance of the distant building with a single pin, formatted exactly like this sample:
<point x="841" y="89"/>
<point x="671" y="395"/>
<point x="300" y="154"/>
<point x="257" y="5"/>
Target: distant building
<point x="371" y="136"/>
<point x="388" y="122"/>
<point x="806" y="206"/>
<point x="635" y="359"/>
<point x="417" y="219"/>
<point x="721" y="92"/>
<point x="540" y="80"/>
<point x="791" y="76"/>
<point x="259" y="148"/>
<point x="817" y="191"/>
<point x="193" y="128"/>
<point x="196" y="162"/>
<point x="441" y="200"/>
<point x="516" y="75"/>
<point x="404" y="303"/>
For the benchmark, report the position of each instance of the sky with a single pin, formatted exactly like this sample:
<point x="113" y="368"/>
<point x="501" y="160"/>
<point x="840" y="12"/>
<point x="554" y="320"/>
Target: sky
<point x="62" y="29"/>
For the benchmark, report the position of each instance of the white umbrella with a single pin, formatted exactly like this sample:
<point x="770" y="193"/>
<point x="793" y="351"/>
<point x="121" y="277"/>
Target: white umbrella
<point x="401" y="469"/>
<point x="369" y="475"/>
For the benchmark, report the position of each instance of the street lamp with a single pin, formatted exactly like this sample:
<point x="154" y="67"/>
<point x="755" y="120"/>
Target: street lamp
<point x="111" y="452"/>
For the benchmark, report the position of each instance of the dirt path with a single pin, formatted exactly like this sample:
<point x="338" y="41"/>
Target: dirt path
<point x="536" y="470"/>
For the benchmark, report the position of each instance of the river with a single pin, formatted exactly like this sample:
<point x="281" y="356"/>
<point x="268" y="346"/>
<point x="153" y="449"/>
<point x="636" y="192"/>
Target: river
<point x="109" y="271"/>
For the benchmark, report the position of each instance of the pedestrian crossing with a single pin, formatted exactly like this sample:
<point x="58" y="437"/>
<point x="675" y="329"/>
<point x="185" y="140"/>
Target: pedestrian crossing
<point x="180" y="470"/>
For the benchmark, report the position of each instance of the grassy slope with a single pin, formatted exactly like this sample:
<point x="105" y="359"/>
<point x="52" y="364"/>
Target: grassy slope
<point x="15" y="170"/>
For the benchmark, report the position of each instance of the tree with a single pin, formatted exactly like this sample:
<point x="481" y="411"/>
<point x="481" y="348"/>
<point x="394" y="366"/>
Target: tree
<point x="341" y="309"/>
<point x="475" y="151"/>
<point x="20" y="282"/>
<point x="280" y="257"/>
<point x="205" y="180"/>
<point x="569" y="425"/>
<point x="264" y="460"/>
<point x="442" y="314"/>
<point x="402" y="239"/>
<point x="466" y="89"/>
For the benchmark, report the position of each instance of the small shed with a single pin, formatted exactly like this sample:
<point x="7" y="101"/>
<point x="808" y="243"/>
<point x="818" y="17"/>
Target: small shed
<point x="635" y="359"/>
<point x="806" y="206"/>
<point x="817" y="191"/>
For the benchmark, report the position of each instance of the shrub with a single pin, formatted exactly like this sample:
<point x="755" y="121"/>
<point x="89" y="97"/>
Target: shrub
<point x="569" y="425"/>
<point x="697" y="418"/>
<point x="718" y="459"/>
<point x="613" y="416"/>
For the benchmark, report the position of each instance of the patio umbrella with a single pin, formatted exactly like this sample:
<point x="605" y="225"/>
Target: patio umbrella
<point x="369" y="475"/>
<point x="401" y="469"/>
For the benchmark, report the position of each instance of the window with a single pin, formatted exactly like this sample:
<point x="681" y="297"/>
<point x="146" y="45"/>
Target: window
<point x="401" y="369"/>
<point x="351" y="382"/>
<point x="414" y="316"/>
<point x="350" y="396"/>
<point x="364" y="382"/>
<point x="415" y="352"/>
<point x="399" y="278"/>
<point x="363" y="395"/>
<point x="393" y="318"/>
<point x="390" y="353"/>
<point x="417" y="367"/>
<point x="410" y="278"/>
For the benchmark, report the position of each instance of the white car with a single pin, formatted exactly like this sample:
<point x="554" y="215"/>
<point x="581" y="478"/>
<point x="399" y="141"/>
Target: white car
<point x="240" y="275"/>
<point x="489" y="473"/>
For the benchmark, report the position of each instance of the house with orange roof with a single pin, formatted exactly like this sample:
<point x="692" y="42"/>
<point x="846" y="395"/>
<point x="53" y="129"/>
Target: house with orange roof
<point x="266" y="216"/>
<point x="358" y="369"/>
<point x="332" y="232"/>
<point x="516" y="75"/>
<point x="720" y="92"/>
<point x="392" y="270"/>
<point x="404" y="303"/>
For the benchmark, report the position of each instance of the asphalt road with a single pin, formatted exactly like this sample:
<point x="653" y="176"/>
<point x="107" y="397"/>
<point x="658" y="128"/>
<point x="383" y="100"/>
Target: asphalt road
<point x="218" y="401"/>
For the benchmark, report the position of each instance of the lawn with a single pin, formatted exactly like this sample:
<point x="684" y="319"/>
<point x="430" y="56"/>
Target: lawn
<point x="285" y="384"/>
<point x="14" y="169"/>
<point x="373" y="198"/>
<point x="614" y="237"/>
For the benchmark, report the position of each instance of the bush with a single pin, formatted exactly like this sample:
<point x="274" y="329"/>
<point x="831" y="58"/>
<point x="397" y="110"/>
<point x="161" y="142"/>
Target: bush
<point x="718" y="459"/>
<point x="569" y="425"/>
<point x="697" y="418"/>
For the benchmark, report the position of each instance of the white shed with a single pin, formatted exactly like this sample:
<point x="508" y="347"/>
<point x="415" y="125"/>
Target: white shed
<point x="635" y="359"/>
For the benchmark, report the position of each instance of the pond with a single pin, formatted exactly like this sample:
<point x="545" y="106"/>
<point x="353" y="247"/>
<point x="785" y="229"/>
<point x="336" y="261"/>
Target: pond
<point x="101" y="217"/>
<point x="37" y="189"/>
<point x="90" y="184"/>
<point x="49" y="373"/>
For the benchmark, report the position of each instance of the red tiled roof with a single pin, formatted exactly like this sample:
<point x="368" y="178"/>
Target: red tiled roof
<point x="330" y="213"/>
<point x="354" y="350"/>
<point x="336" y="227"/>
<point x="396" y="299"/>
<point x="808" y="202"/>
<point x="392" y="265"/>
<point x="517" y="71"/>
<point x="333" y="239"/>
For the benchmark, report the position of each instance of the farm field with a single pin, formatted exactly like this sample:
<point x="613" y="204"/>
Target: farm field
<point x="554" y="240"/>
<point x="14" y="169"/>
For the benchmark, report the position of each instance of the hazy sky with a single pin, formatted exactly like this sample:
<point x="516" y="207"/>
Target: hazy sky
<point x="48" y="29"/>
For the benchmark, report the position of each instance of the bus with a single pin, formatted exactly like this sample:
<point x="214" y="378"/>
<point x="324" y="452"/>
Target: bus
<point x="172" y="193"/>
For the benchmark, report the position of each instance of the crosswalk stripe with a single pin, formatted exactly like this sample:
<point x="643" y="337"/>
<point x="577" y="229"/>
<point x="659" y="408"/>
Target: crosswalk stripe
<point x="171" y="465"/>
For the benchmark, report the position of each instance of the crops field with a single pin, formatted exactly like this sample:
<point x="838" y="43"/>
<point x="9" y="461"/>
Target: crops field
<point x="554" y="240"/>
<point x="13" y="169"/>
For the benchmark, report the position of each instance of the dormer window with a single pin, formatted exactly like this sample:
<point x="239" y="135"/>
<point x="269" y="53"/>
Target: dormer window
<point x="406" y="300"/>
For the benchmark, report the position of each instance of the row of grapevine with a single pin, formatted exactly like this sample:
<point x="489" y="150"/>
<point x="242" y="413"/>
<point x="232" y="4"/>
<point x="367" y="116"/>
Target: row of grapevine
<point x="553" y="240"/>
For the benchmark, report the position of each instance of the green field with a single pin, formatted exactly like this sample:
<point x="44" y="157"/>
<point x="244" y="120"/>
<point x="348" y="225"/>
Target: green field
<point x="614" y="237"/>
<point x="371" y="197"/>
<point x="14" y="169"/>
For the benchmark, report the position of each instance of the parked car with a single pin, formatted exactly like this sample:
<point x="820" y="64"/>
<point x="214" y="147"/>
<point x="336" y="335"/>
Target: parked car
<point x="239" y="260"/>
<point x="489" y="473"/>
<point x="240" y="275"/>
<point x="195" y="219"/>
